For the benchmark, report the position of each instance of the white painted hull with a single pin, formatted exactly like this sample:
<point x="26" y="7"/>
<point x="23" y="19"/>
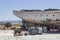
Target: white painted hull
<point x="38" y="17"/>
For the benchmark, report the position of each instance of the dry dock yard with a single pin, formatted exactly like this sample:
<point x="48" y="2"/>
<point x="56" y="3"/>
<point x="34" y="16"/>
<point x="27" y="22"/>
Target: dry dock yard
<point x="8" y="35"/>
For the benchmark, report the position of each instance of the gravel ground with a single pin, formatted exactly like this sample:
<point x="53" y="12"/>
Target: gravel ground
<point x="32" y="37"/>
<point x="8" y="35"/>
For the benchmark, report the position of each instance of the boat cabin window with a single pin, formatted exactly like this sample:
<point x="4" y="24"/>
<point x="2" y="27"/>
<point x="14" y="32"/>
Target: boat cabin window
<point x="47" y="15"/>
<point x="57" y="20"/>
<point x="35" y="15"/>
<point x="25" y="15"/>
<point x="41" y="15"/>
<point x="53" y="15"/>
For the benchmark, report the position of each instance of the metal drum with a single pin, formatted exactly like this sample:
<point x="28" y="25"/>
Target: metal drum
<point x="32" y="31"/>
<point x="39" y="30"/>
<point x="44" y="29"/>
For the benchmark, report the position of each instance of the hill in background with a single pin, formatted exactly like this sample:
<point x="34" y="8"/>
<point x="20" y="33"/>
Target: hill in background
<point x="16" y="21"/>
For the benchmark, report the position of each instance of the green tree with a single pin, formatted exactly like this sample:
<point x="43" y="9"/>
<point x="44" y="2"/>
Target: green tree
<point x="8" y="24"/>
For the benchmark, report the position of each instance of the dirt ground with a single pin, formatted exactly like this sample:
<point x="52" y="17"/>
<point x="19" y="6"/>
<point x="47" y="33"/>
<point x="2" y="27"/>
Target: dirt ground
<point x="8" y="35"/>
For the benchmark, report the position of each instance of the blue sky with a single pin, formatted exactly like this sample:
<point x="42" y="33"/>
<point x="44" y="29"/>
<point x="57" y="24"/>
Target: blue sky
<point x="7" y="7"/>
